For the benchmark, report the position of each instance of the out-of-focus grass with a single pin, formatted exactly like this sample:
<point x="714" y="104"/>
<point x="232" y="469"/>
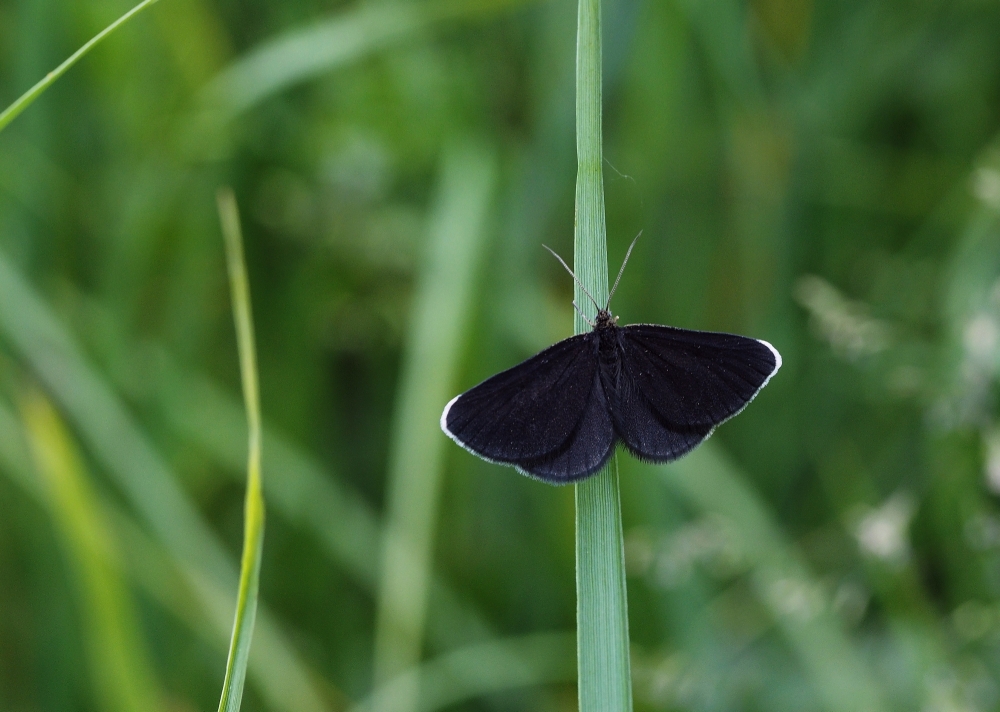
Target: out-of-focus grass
<point x="144" y="562"/>
<point x="468" y="672"/>
<point x="822" y="175"/>
<point x="323" y="46"/>
<point x="712" y="484"/>
<point x="343" y="523"/>
<point x="121" y="672"/>
<point x="143" y="477"/>
<point x="458" y="232"/>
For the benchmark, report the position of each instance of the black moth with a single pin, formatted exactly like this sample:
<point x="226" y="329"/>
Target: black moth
<point x="659" y="390"/>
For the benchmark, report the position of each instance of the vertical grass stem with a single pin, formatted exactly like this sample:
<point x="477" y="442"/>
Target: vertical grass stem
<point x="602" y="610"/>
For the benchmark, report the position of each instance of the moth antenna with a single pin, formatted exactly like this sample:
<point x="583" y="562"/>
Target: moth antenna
<point x="622" y="270"/>
<point x="583" y="316"/>
<point x="596" y="305"/>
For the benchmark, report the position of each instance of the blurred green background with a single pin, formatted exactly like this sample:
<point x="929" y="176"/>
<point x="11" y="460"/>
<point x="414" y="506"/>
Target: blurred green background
<point x="823" y="175"/>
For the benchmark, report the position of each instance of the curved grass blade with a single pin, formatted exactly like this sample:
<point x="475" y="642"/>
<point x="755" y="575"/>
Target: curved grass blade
<point x="122" y="674"/>
<point x="26" y="99"/>
<point x="253" y="523"/>
<point x="604" y="675"/>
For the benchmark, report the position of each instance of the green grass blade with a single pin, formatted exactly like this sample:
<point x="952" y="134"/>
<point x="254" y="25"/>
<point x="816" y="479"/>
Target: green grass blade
<point x="253" y="526"/>
<point x="456" y="241"/>
<point x="712" y="483"/>
<point x="123" y="678"/>
<point x="26" y="99"/>
<point x="602" y="607"/>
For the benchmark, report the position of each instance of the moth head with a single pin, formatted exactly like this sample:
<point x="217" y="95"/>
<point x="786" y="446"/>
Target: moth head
<point x="604" y="320"/>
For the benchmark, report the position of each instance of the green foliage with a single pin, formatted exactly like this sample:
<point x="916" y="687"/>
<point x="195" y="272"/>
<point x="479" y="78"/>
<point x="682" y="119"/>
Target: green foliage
<point x="823" y="175"/>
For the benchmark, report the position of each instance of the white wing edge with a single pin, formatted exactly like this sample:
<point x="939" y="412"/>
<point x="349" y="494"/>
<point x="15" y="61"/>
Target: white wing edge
<point x="777" y="365"/>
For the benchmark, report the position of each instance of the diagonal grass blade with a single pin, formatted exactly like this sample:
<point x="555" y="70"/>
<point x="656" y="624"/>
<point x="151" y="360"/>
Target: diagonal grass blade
<point x="26" y="99"/>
